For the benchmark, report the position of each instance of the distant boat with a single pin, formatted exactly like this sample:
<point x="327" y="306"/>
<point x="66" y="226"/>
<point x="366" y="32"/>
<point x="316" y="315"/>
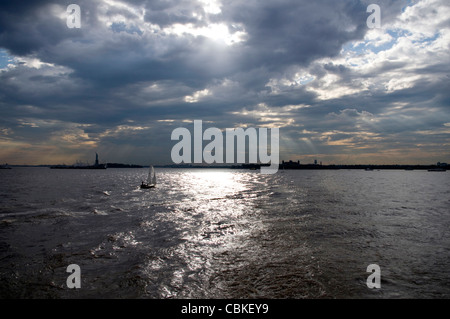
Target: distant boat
<point x="151" y="179"/>
<point x="369" y="169"/>
<point x="5" y="166"/>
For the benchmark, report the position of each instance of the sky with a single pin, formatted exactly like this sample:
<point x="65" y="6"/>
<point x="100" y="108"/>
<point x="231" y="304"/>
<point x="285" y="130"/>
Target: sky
<point x="339" y="91"/>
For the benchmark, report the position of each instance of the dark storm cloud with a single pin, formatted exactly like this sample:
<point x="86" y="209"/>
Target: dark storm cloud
<point x="280" y="34"/>
<point x="166" y="13"/>
<point x="287" y="32"/>
<point x="27" y="26"/>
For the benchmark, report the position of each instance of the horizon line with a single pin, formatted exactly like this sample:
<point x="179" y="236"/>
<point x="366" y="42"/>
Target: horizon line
<point x="232" y="165"/>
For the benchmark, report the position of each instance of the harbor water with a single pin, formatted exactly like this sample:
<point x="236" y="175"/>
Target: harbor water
<point x="224" y="233"/>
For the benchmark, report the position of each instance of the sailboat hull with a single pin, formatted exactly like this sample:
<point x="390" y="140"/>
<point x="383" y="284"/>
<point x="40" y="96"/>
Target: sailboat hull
<point x="147" y="186"/>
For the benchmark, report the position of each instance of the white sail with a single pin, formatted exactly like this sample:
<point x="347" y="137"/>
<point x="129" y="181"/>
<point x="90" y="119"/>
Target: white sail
<point x="151" y="179"/>
<point x="154" y="178"/>
<point x="150" y="175"/>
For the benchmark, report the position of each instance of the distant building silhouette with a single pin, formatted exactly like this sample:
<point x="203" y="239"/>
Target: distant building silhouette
<point x="97" y="165"/>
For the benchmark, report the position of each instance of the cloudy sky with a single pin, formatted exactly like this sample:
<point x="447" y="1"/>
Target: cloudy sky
<point x="135" y="70"/>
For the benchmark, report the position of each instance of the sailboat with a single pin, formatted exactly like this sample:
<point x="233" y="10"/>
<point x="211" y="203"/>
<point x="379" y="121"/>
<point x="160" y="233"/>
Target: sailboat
<point x="151" y="179"/>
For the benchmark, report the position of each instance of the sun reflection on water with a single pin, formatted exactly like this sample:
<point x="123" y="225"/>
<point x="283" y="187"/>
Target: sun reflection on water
<point x="214" y="184"/>
<point x="213" y="215"/>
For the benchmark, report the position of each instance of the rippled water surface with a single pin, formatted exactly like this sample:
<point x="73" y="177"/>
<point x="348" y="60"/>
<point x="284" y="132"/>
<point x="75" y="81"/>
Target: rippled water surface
<point x="224" y="233"/>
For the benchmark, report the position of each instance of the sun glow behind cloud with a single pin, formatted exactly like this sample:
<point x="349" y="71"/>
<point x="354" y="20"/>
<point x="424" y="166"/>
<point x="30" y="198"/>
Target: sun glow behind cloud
<point x="218" y="32"/>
